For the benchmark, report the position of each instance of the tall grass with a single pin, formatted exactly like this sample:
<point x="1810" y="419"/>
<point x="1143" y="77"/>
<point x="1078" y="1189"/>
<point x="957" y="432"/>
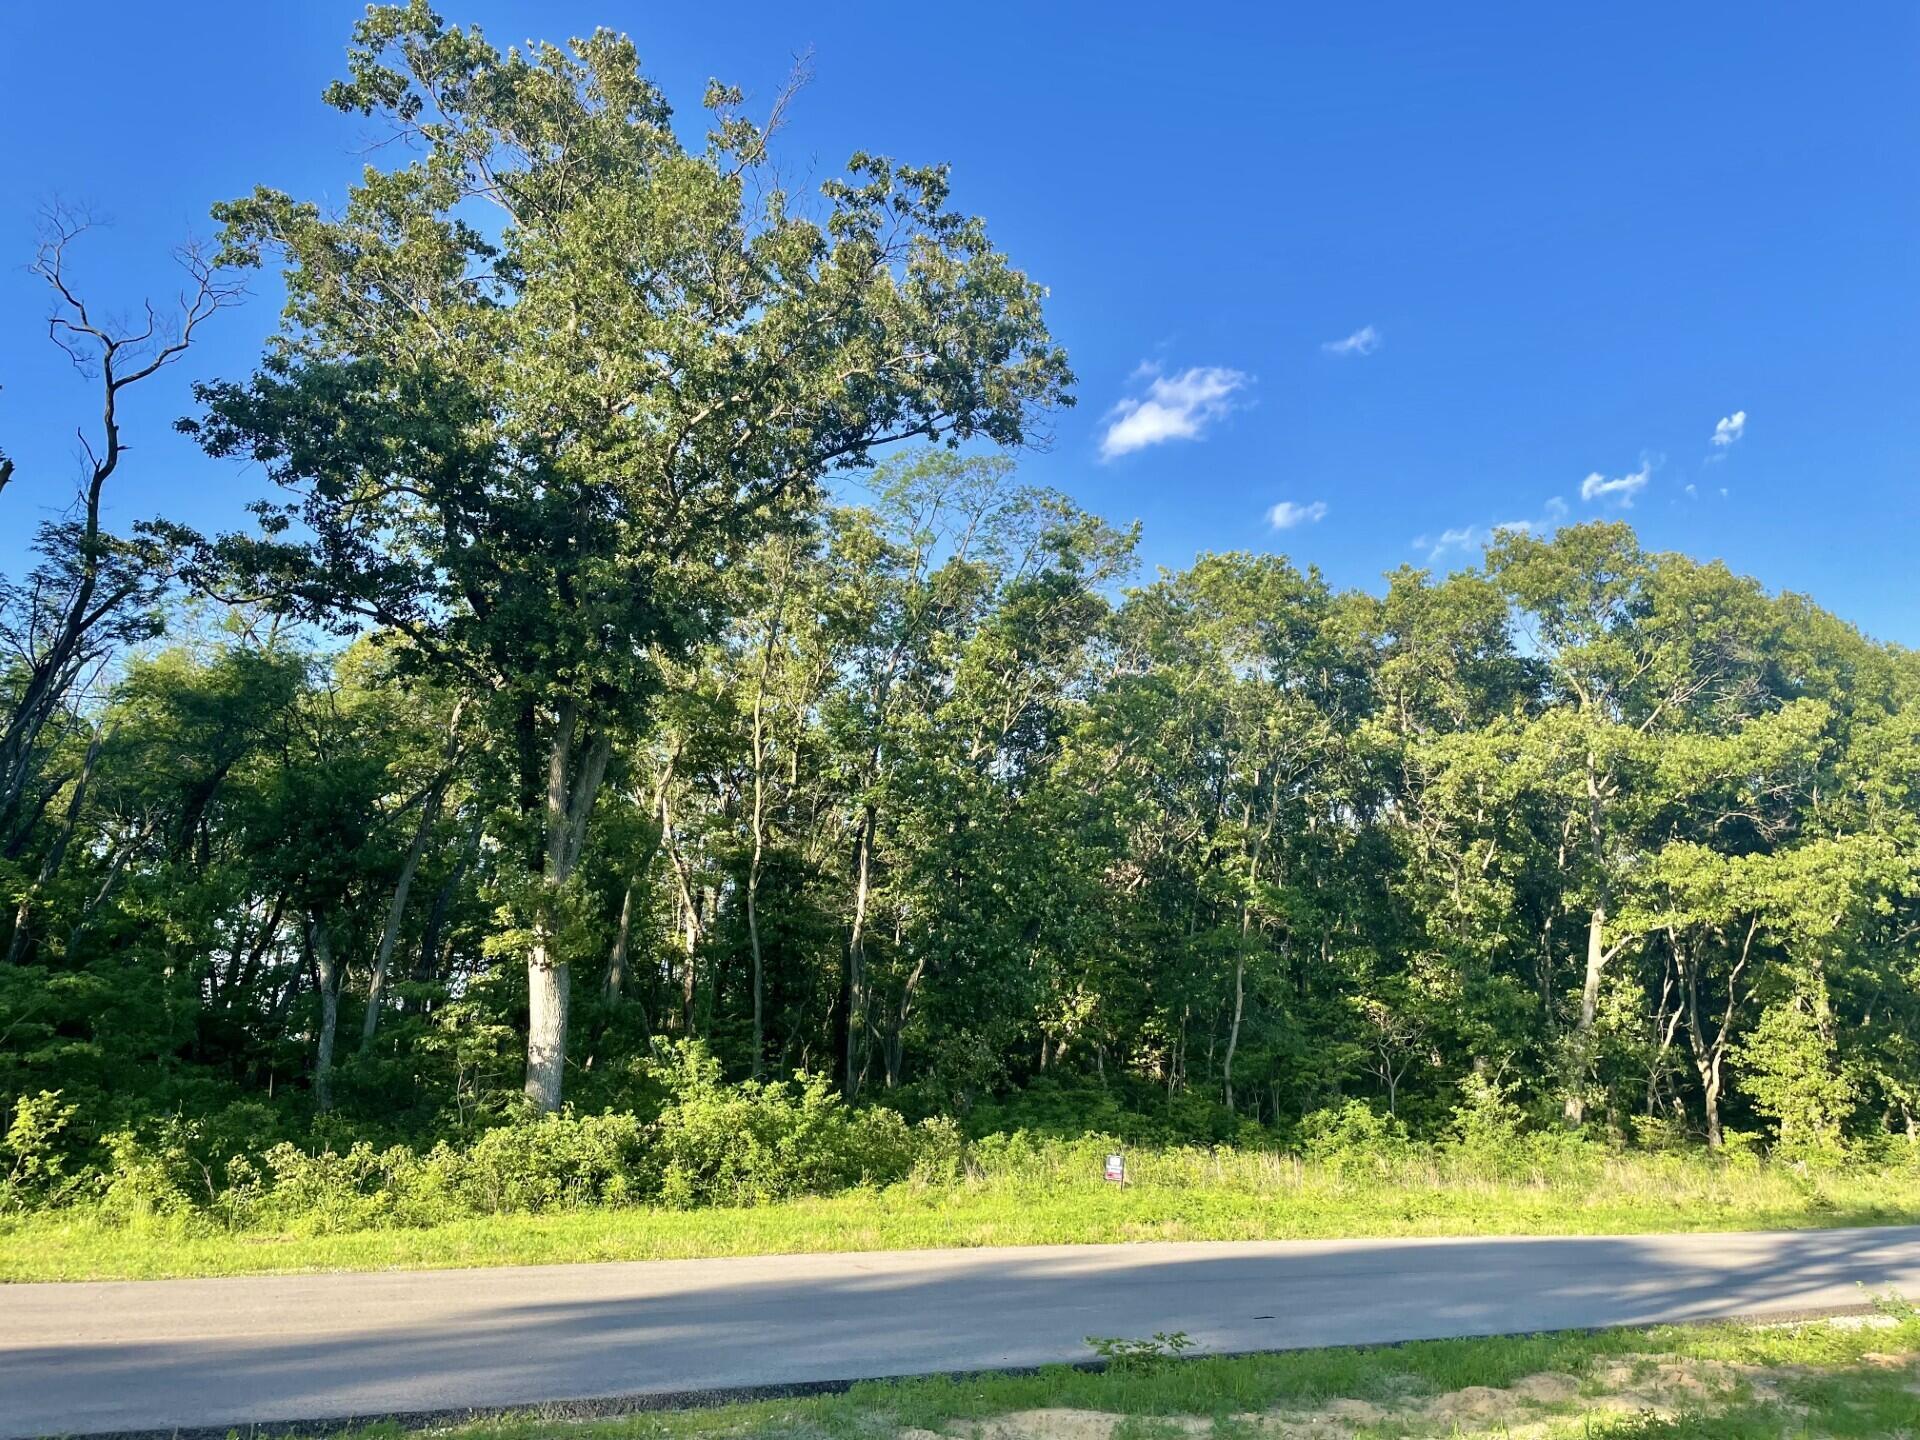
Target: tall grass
<point x="1016" y="1190"/>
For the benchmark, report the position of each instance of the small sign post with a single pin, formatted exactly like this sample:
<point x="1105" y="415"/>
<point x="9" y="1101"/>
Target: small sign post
<point x="1117" y="1169"/>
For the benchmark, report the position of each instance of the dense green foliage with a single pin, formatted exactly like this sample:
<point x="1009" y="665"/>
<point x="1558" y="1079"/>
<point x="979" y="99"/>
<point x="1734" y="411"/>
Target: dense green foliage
<point x="557" y="734"/>
<point x="556" y="1190"/>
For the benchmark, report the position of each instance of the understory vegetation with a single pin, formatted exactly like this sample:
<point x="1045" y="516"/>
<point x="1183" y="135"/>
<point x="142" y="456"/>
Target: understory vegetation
<point x="749" y="1169"/>
<point x="1854" y="1376"/>
<point x="651" y="752"/>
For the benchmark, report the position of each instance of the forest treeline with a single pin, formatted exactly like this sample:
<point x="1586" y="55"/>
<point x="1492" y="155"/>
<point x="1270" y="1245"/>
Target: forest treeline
<point x="562" y="706"/>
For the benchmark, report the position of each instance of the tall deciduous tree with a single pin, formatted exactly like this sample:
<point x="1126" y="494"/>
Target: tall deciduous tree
<point x="533" y="443"/>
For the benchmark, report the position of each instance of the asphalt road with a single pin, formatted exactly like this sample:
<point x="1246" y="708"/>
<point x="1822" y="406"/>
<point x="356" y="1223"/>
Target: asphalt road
<point x="191" y="1354"/>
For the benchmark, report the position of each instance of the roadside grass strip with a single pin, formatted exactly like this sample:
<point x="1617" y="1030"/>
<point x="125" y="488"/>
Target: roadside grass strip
<point x="1842" y="1376"/>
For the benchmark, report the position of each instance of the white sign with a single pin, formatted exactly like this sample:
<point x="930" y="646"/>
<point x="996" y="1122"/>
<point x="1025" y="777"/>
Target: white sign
<point x="1117" y="1169"/>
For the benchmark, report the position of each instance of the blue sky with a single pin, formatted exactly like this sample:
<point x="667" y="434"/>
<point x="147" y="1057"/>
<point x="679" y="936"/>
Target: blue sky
<point x="1387" y="274"/>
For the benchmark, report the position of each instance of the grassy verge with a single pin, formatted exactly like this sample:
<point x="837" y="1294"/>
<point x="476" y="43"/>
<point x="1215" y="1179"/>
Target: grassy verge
<point x="1174" y="1196"/>
<point x="1854" y="1377"/>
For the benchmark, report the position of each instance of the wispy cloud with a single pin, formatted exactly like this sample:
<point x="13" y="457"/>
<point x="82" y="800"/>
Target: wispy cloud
<point x="1730" y="429"/>
<point x="1363" y="341"/>
<point x="1287" y="514"/>
<point x="1174" y="407"/>
<point x="1448" y="541"/>
<point x="1621" y="489"/>
<point x="1467" y="538"/>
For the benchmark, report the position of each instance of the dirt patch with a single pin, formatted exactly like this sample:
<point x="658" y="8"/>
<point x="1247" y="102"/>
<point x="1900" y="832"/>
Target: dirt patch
<point x="1550" y="1387"/>
<point x="1061" y="1423"/>
<point x="1660" y="1385"/>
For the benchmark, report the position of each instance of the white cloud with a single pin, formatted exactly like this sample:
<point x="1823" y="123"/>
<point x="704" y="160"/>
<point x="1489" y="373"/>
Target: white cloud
<point x="1174" y="407"/>
<point x="1730" y="429"/>
<point x="1467" y="538"/>
<point x="1287" y="514"/>
<point x="1363" y="341"/>
<point x="1621" y="488"/>
<point x="1446" y="541"/>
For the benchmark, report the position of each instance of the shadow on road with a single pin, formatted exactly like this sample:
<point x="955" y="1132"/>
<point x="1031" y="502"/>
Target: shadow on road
<point x="490" y="1338"/>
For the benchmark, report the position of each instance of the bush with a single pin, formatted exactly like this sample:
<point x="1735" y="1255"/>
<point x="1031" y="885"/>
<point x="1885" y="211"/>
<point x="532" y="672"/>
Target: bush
<point x="553" y="1162"/>
<point x="940" y="1151"/>
<point x="330" y="1191"/>
<point x="749" y="1144"/>
<point x="146" y="1180"/>
<point x="1353" y="1137"/>
<point x="33" y="1160"/>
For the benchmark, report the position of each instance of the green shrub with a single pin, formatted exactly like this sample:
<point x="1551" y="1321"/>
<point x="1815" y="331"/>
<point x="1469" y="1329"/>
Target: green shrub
<point x="553" y="1162"/>
<point x="939" y="1151"/>
<point x="33" y="1160"/>
<point x="330" y="1191"/>
<point x="1353" y="1137"/>
<point x="749" y="1144"/>
<point x="1791" y="1069"/>
<point x="149" y="1180"/>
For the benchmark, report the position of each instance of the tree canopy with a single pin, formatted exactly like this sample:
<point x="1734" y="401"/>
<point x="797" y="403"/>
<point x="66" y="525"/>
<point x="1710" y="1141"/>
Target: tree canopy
<point x="561" y="705"/>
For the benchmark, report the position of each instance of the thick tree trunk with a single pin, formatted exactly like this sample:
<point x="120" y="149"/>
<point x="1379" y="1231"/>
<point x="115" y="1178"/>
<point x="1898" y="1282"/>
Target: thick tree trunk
<point x="549" y="993"/>
<point x="571" y="791"/>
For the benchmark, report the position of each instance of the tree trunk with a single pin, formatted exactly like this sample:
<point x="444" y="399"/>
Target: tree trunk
<point x="1597" y="956"/>
<point x="396" y="912"/>
<point x="549" y="992"/>
<point x="1710" y="1052"/>
<point x="1576" y="1105"/>
<point x="759" y="759"/>
<point x="753" y="877"/>
<point x="571" y="791"/>
<point x="617" y="961"/>
<point x="427" y="964"/>
<point x="855" y="986"/>
<point x="328" y="976"/>
<point x="1710" y="1087"/>
<point x="1233" y="1030"/>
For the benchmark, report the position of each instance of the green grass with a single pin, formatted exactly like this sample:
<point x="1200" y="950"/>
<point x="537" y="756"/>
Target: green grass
<point x="1175" y="1195"/>
<point x="1724" y="1380"/>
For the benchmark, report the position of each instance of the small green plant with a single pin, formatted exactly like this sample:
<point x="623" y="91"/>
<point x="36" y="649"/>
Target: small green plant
<point x="1139" y="1357"/>
<point x="32" y="1164"/>
<point x="1892" y="1304"/>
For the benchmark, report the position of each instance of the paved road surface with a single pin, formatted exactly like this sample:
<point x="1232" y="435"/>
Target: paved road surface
<point x="186" y="1354"/>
